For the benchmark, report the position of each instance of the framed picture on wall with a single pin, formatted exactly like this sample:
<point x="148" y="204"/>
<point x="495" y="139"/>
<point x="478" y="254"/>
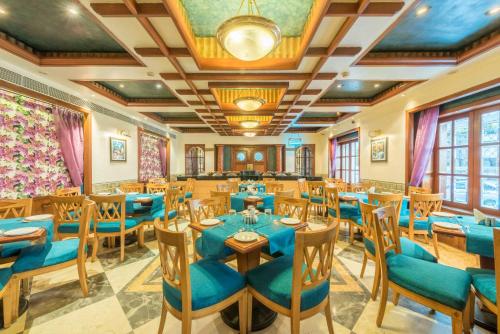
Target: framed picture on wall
<point x="118" y="149"/>
<point x="379" y="149"/>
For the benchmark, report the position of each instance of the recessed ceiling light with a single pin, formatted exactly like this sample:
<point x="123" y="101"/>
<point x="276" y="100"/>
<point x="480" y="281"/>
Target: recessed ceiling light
<point x="377" y="85"/>
<point x="3" y="11"/>
<point x="249" y="134"/>
<point x="339" y="86"/>
<point x="403" y="95"/>
<point x="73" y="10"/>
<point x="158" y="86"/>
<point x="422" y="10"/>
<point x="122" y="86"/>
<point x="493" y="11"/>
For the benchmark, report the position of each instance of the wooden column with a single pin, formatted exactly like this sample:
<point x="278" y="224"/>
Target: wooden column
<point x="219" y="149"/>
<point x="279" y="157"/>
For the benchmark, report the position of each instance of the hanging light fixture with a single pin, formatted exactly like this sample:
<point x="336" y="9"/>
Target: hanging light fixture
<point x="249" y="37"/>
<point x="249" y="103"/>
<point x="249" y="124"/>
<point x="249" y="134"/>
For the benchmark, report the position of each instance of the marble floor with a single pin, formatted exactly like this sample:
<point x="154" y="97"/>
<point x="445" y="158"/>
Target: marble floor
<point x="126" y="298"/>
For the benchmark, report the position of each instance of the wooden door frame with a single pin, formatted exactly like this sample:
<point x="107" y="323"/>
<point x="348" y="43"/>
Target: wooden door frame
<point x="187" y="147"/>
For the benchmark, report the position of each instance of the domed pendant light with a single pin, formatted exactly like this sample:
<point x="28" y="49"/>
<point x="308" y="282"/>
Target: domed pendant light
<point x="249" y="103"/>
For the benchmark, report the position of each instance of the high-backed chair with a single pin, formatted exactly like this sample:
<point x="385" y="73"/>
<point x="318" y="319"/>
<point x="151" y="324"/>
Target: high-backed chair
<point x="67" y="212"/>
<point x="204" y="209"/>
<point x="226" y="197"/>
<point x="317" y="197"/>
<point x="291" y="207"/>
<point x="302" y="184"/>
<point x="224" y="187"/>
<point x="45" y="258"/>
<point x="134" y="187"/>
<point x="155" y="188"/>
<point x="439" y="287"/>
<point x="72" y="191"/>
<point x="274" y="187"/>
<point x="486" y="283"/>
<point x="381" y="200"/>
<point x="342" y="212"/>
<point x="408" y="247"/>
<point x="158" y="180"/>
<point x="233" y="184"/>
<point x="111" y="221"/>
<point x="190" y="183"/>
<point x="285" y="193"/>
<point x="418" y="190"/>
<point x="421" y="206"/>
<point x="15" y="208"/>
<point x="297" y="286"/>
<point x="192" y="291"/>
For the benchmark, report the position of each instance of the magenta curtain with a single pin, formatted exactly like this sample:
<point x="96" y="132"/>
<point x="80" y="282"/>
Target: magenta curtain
<point x="333" y="156"/>
<point x="163" y="156"/>
<point x="69" y="128"/>
<point x="424" y="143"/>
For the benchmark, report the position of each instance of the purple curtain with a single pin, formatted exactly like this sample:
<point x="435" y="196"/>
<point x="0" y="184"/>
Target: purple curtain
<point x="333" y="156"/>
<point x="424" y="143"/>
<point x="69" y="127"/>
<point x="163" y="156"/>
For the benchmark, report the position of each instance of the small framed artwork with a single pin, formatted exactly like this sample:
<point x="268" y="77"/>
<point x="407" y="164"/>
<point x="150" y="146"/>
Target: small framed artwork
<point x="118" y="149"/>
<point x="379" y="149"/>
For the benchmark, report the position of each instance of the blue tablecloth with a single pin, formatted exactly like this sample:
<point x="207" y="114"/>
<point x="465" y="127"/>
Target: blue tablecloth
<point x="405" y="210"/>
<point x="260" y="187"/>
<point x="237" y="200"/>
<point x="11" y="249"/>
<point x="137" y="208"/>
<point x="281" y="238"/>
<point x="478" y="237"/>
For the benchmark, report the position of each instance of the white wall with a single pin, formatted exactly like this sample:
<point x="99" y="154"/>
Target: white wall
<point x="103" y="170"/>
<point x="389" y="116"/>
<point x="320" y="140"/>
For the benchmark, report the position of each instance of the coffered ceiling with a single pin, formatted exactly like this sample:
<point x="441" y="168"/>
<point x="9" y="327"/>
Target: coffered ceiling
<point x="160" y="59"/>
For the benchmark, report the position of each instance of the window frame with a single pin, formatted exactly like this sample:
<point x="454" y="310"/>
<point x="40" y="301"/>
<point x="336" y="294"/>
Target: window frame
<point x="308" y="165"/>
<point x="348" y="171"/>
<point x="201" y="161"/>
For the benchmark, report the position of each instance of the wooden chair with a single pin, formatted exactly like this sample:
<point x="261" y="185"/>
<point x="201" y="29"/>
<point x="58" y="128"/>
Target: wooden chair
<point x="67" y="212"/>
<point x="181" y="186"/>
<point x="439" y="287"/>
<point x="309" y="290"/>
<point x="346" y="213"/>
<point x="291" y="207"/>
<point x="274" y="187"/>
<point x="381" y="200"/>
<point x="224" y="187"/>
<point x="6" y="294"/>
<point x="486" y="283"/>
<point x="369" y="242"/>
<point x="15" y="208"/>
<point x="155" y="188"/>
<point x="421" y="206"/>
<point x="203" y="209"/>
<point x="285" y="193"/>
<point x="213" y="288"/>
<point x="110" y="221"/>
<point x="356" y="187"/>
<point x="158" y="180"/>
<point x="233" y="186"/>
<point x="190" y="183"/>
<point x="317" y="197"/>
<point x="226" y="197"/>
<point x="302" y="184"/>
<point x="41" y="259"/>
<point x="418" y="190"/>
<point x="72" y="191"/>
<point x="132" y="187"/>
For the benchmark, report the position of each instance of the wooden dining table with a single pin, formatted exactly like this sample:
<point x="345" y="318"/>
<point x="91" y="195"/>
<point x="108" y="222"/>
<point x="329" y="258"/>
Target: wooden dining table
<point x="247" y="257"/>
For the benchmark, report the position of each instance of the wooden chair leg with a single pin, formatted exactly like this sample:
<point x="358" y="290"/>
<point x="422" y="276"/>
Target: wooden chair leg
<point x="122" y="247"/>
<point x="435" y="243"/>
<point x="7" y="306"/>
<point x="82" y="276"/>
<point x="95" y="246"/>
<point x="466" y="315"/>
<point x="15" y="295"/>
<point x="242" y="308"/>
<point x="295" y="323"/>
<point x="426" y="239"/>
<point x="249" y="312"/>
<point x="395" y="298"/>
<point x="351" y="233"/>
<point x="376" y="282"/>
<point x="186" y="324"/>
<point x="363" y="266"/>
<point x="163" y="317"/>
<point x="457" y="323"/>
<point x="140" y="238"/>
<point x="383" y="302"/>
<point x="328" y="316"/>
<point x="472" y="309"/>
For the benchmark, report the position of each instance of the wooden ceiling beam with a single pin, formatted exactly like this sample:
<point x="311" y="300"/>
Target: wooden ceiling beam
<point x="248" y="76"/>
<point x="316" y="120"/>
<point x="371" y="9"/>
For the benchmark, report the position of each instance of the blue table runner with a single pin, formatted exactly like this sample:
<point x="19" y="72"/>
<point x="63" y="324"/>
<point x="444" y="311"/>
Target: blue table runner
<point x="237" y="200"/>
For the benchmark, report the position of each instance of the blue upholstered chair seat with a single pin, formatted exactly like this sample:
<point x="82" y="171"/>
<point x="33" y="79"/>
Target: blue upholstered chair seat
<point x="446" y="285"/>
<point x="273" y="279"/>
<point x="181" y="199"/>
<point x="199" y="248"/>
<point x="5" y="274"/>
<point x="421" y="225"/>
<point x="111" y="227"/>
<point x="139" y="208"/>
<point x="49" y="254"/>
<point x="304" y="194"/>
<point x="318" y="199"/>
<point x="408" y="248"/>
<point x="161" y="214"/>
<point x="211" y="282"/>
<point x="484" y="282"/>
<point x="347" y="211"/>
<point x="188" y="194"/>
<point x="72" y="228"/>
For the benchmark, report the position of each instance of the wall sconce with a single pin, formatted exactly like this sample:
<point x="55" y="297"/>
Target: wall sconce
<point x="124" y="133"/>
<point x="374" y="133"/>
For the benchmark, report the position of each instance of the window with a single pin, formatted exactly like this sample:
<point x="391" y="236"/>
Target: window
<point x="195" y="159"/>
<point x="241" y="156"/>
<point x="466" y="160"/>
<point x="304" y="160"/>
<point x="258" y="156"/>
<point x="347" y="161"/>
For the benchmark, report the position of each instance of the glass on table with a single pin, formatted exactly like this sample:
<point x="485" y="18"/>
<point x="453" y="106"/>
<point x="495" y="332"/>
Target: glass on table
<point x="232" y="216"/>
<point x="268" y="213"/>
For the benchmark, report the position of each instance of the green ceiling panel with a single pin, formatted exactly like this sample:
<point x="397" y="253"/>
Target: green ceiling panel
<point x="448" y="25"/>
<point x="207" y="15"/>
<point x="142" y="89"/>
<point x="357" y="89"/>
<point x="47" y="25"/>
<point x="319" y="114"/>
